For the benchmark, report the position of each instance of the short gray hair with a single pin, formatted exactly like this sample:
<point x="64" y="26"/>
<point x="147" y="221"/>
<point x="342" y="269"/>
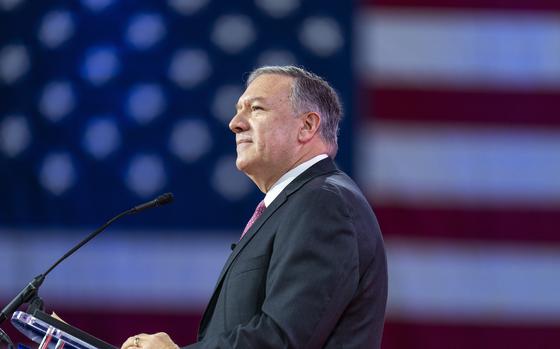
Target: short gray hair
<point x="310" y="92"/>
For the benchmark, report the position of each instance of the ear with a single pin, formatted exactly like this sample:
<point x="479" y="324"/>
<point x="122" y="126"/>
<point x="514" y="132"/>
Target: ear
<point x="309" y="126"/>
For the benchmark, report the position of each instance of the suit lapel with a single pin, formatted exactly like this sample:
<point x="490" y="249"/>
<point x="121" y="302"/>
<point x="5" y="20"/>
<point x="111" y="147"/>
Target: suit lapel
<point x="321" y="168"/>
<point x="251" y="232"/>
<point x="242" y="243"/>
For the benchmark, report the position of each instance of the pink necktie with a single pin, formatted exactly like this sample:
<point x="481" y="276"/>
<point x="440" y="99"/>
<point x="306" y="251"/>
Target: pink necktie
<point x="258" y="212"/>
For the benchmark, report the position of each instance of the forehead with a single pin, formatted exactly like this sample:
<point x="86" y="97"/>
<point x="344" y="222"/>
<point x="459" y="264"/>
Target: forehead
<point x="268" y="86"/>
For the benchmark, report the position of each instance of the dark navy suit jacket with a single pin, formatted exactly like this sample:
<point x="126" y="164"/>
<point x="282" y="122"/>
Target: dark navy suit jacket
<point x="310" y="273"/>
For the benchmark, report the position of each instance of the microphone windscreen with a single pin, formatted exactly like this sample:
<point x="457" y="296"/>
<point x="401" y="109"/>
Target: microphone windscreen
<point x="165" y="199"/>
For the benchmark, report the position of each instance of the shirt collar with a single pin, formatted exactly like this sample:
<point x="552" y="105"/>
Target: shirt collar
<point x="289" y="176"/>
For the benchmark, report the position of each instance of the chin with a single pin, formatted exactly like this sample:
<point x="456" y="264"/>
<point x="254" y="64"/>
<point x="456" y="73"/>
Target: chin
<point x="246" y="165"/>
<point x="241" y="164"/>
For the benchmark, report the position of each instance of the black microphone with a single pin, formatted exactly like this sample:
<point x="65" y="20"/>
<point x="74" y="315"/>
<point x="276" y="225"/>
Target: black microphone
<point x="30" y="293"/>
<point x="161" y="200"/>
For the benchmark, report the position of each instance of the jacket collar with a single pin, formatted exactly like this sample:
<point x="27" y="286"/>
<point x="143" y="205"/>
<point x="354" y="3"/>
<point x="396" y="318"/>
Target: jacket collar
<point x="322" y="167"/>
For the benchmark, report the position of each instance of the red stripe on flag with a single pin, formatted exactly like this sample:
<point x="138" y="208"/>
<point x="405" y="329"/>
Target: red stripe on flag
<point x="537" y="5"/>
<point x="488" y="107"/>
<point x="399" y="334"/>
<point x="520" y="225"/>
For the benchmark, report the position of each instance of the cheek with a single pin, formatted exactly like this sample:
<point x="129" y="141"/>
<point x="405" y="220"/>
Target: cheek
<point x="275" y="139"/>
<point x="280" y="144"/>
<point x="263" y="141"/>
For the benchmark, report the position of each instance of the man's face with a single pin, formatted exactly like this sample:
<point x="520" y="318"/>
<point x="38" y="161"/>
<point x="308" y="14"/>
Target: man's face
<point x="266" y="128"/>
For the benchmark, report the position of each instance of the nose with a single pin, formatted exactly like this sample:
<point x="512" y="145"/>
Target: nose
<point x="238" y="123"/>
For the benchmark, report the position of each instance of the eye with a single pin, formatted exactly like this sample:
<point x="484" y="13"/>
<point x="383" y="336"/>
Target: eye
<point x="256" y="107"/>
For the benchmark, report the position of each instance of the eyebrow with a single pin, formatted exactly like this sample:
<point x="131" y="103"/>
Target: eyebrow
<point x="249" y="101"/>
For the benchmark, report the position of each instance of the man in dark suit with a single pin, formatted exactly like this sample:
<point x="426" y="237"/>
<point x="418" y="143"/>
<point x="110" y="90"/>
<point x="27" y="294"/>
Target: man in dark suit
<point x="309" y="270"/>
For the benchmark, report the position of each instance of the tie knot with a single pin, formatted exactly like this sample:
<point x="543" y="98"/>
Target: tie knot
<point x="260" y="208"/>
<point x="258" y="212"/>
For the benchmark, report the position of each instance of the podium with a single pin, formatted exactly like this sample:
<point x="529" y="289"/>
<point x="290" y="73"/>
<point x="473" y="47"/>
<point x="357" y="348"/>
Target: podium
<point x="51" y="333"/>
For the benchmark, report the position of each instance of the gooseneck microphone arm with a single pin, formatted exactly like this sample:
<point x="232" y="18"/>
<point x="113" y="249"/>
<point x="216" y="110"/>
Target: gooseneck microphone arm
<point x="5" y="338"/>
<point x="30" y="293"/>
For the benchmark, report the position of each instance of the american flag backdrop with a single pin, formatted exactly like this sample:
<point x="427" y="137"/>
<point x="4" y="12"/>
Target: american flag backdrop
<point x="460" y="155"/>
<point x="451" y="128"/>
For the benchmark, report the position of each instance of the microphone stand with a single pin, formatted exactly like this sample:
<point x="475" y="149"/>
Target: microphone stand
<point x="6" y="339"/>
<point x="30" y="294"/>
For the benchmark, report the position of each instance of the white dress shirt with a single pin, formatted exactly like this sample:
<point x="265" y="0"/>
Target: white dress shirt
<point x="288" y="177"/>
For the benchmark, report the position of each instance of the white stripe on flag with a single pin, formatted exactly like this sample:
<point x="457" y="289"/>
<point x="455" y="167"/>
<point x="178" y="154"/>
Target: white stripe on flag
<point x="429" y="163"/>
<point x="460" y="48"/>
<point x="473" y="282"/>
<point x="428" y="280"/>
<point x="171" y="270"/>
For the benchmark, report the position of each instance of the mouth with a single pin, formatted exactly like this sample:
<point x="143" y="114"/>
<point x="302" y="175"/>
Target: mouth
<point x="242" y="141"/>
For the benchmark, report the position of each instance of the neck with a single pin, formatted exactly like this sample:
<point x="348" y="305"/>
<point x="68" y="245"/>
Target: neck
<point x="264" y="184"/>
